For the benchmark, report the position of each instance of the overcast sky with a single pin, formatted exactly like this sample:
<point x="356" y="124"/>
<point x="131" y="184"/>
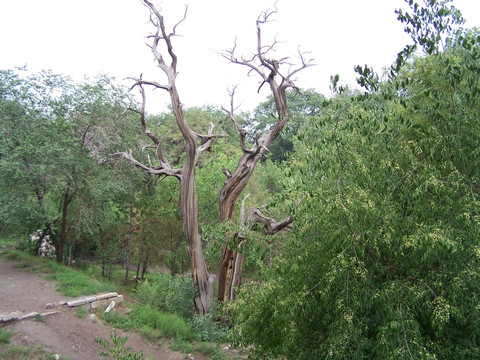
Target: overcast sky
<point x="88" y="37"/>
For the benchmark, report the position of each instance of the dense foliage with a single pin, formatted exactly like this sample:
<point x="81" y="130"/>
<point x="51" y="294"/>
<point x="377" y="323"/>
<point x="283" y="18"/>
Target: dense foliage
<point x="385" y="262"/>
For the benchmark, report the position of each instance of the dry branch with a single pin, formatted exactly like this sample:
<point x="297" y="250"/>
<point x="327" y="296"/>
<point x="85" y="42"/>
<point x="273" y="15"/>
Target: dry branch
<point x="271" y="72"/>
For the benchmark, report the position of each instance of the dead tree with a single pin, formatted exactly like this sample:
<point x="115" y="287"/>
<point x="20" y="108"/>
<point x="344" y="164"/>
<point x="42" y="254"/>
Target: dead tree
<point x="195" y="144"/>
<point x="270" y="73"/>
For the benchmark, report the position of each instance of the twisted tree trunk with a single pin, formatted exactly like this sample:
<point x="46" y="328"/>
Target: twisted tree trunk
<point x="195" y="144"/>
<point x="269" y="70"/>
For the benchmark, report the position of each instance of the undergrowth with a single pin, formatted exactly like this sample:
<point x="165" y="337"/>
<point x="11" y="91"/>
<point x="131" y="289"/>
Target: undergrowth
<point x="165" y="309"/>
<point x="69" y="282"/>
<point x="152" y="323"/>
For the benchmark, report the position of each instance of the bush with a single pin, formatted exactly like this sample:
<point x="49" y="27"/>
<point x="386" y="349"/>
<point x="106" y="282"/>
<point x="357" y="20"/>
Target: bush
<point x="117" y="349"/>
<point x="164" y="292"/>
<point x="208" y="327"/>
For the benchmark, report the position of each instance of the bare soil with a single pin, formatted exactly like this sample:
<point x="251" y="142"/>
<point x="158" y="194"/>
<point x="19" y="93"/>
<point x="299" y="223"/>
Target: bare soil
<point x="62" y="333"/>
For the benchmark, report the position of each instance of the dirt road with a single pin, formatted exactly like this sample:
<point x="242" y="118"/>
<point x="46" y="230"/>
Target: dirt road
<point x="62" y="333"/>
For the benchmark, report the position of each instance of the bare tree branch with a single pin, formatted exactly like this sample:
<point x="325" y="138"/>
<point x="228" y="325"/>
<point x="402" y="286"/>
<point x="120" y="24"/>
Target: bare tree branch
<point x="206" y="140"/>
<point x="149" y="169"/>
<point x="255" y="216"/>
<point x="241" y="131"/>
<point x="269" y="69"/>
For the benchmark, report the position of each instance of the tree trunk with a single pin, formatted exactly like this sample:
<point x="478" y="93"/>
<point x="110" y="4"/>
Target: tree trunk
<point x="59" y="245"/>
<point x="127" y="245"/>
<point x="189" y="208"/>
<point x="144" y="266"/>
<point x="103" y="268"/>
<point x="231" y="264"/>
<point x="138" y="267"/>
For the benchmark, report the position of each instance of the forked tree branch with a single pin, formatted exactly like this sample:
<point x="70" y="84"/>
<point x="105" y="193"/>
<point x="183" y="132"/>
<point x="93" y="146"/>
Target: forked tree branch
<point x="164" y="167"/>
<point x="254" y="216"/>
<point x="260" y="62"/>
<point x="231" y="116"/>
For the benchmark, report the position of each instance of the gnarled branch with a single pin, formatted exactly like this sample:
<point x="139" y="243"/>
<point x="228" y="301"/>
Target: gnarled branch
<point x="255" y="216"/>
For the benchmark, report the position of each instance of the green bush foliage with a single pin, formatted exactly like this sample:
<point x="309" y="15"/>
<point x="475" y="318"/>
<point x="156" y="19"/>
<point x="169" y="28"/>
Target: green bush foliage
<point x="117" y="349"/>
<point x="209" y="327"/>
<point x="164" y="292"/>
<point x="385" y="189"/>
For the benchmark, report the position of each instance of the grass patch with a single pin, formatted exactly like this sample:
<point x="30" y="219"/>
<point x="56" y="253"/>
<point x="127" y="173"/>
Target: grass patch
<point x="181" y="346"/>
<point x="4" y="336"/>
<point x="150" y="333"/>
<point x="17" y="255"/>
<point x="74" y="283"/>
<point x="153" y="324"/>
<point x="7" y="241"/>
<point x="39" y="318"/>
<point x="19" y="351"/>
<point x="15" y="346"/>
<point x="170" y="325"/>
<point x="118" y="321"/>
<point x="70" y="282"/>
<point x="81" y="313"/>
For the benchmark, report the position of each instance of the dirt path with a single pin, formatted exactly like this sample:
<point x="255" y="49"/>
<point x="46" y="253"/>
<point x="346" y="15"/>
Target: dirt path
<point x="63" y="333"/>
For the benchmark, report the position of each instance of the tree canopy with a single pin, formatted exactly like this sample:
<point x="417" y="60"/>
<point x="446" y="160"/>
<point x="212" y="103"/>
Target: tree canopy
<point x="385" y="189"/>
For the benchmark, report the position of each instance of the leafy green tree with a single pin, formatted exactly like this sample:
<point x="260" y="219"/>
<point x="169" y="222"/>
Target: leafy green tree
<point x="53" y="142"/>
<point x="301" y="105"/>
<point x="385" y="259"/>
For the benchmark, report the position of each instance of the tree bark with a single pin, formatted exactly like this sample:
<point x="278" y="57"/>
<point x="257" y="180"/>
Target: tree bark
<point x="204" y="281"/>
<point x="145" y="266"/>
<point x="138" y="267"/>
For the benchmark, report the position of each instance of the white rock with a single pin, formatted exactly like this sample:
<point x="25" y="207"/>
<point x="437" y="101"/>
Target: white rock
<point x="110" y="307"/>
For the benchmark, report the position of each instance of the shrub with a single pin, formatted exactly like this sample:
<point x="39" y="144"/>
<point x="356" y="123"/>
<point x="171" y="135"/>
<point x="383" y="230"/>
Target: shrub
<point x="117" y="349"/>
<point x="174" y="294"/>
<point x="208" y="327"/>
